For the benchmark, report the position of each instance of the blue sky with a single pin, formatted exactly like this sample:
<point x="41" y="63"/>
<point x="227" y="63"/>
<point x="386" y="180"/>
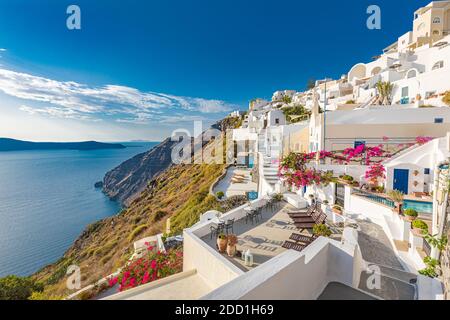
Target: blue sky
<point x="140" y="69"/>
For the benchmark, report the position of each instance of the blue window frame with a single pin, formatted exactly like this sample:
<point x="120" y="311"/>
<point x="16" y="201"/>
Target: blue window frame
<point x="358" y="143"/>
<point x="426" y="171"/>
<point x="438" y="120"/>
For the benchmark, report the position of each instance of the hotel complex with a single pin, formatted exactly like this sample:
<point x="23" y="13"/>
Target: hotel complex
<point x="355" y="234"/>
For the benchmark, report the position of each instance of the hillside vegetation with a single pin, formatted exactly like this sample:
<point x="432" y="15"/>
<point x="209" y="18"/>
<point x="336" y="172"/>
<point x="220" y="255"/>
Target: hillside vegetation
<point x="180" y="193"/>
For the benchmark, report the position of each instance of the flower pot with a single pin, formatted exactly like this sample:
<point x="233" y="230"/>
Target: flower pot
<point x="418" y="232"/>
<point x="222" y="244"/>
<point x="231" y="250"/>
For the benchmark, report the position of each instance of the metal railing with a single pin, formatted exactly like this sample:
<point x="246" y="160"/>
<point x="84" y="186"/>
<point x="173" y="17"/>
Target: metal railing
<point x="426" y="247"/>
<point x="374" y="197"/>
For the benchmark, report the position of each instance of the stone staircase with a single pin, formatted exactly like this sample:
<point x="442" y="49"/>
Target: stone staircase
<point x="270" y="171"/>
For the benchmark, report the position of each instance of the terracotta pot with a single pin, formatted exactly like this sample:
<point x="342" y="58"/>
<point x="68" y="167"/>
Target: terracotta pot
<point x="222" y="244"/>
<point x="418" y="232"/>
<point x="231" y="250"/>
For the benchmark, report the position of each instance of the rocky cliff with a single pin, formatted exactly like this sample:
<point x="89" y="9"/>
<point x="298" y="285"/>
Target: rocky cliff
<point x="125" y="182"/>
<point x="130" y="178"/>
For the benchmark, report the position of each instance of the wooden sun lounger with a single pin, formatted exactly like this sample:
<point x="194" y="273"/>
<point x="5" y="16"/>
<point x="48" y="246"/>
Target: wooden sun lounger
<point x="308" y="212"/>
<point x="303" y="219"/>
<point x="322" y="218"/>
<point x="304" y="225"/>
<point x="302" y="238"/>
<point x="293" y="245"/>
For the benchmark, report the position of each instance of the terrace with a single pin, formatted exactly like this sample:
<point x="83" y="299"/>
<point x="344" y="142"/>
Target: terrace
<point x="265" y="237"/>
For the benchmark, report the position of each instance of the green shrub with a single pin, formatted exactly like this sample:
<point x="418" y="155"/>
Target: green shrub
<point x="136" y="232"/>
<point x="18" y="288"/>
<point x="277" y="197"/>
<point x="159" y="215"/>
<point x="44" y="296"/>
<point x="396" y="196"/>
<point x="410" y="212"/>
<point x="222" y="236"/>
<point x="321" y="230"/>
<point x="429" y="272"/>
<point x="347" y="177"/>
<point x="350" y="102"/>
<point x="420" y="224"/>
<point x="446" y="98"/>
<point x="220" y="194"/>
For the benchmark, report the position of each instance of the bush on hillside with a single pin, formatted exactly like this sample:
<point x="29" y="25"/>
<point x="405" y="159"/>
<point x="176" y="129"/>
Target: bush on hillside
<point x="18" y="288"/>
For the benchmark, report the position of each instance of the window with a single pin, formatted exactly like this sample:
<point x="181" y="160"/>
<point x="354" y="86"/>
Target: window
<point x="405" y="92"/>
<point x="426" y="171"/>
<point x="436" y="20"/>
<point x="435" y="32"/>
<point x="277" y="121"/>
<point x="358" y="143"/>
<point x="438" y="65"/>
<point x="438" y="120"/>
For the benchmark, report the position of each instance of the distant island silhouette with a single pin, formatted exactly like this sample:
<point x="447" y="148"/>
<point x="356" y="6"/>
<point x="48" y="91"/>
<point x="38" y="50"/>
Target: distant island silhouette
<point x="7" y="144"/>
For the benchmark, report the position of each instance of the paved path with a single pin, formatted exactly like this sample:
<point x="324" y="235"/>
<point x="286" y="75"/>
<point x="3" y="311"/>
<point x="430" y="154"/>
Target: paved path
<point x="375" y="245"/>
<point x="395" y="282"/>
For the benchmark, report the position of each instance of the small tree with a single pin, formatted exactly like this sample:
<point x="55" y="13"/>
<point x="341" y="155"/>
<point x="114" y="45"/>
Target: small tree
<point x="446" y="98"/>
<point x="286" y="99"/>
<point x="384" y="91"/>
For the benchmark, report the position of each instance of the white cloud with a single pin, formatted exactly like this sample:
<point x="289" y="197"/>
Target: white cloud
<point x="68" y="99"/>
<point x="2" y="49"/>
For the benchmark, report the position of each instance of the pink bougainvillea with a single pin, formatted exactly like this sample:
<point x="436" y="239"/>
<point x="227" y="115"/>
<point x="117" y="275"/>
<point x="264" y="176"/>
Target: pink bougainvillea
<point x="151" y="267"/>
<point x="375" y="172"/>
<point x="422" y="140"/>
<point x="294" y="170"/>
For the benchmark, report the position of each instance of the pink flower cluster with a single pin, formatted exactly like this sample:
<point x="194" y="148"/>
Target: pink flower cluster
<point x="422" y="140"/>
<point x="151" y="267"/>
<point x="375" y="172"/>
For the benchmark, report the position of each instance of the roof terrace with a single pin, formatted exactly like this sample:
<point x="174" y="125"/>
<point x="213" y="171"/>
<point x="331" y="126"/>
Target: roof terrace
<point x="264" y="237"/>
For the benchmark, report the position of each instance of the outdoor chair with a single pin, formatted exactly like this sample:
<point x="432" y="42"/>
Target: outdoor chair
<point x="250" y="215"/>
<point x="229" y="225"/>
<point x="216" y="230"/>
<point x="302" y="238"/>
<point x="293" y="245"/>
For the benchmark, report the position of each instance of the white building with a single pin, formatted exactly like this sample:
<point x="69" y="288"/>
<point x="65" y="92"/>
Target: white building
<point x="414" y="169"/>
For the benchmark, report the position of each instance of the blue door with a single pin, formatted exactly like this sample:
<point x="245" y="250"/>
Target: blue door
<point x="401" y="180"/>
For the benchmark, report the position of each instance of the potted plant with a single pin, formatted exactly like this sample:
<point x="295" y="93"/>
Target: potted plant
<point x="231" y="245"/>
<point x="222" y="241"/>
<point x="397" y="197"/>
<point x="410" y="214"/>
<point x="419" y="227"/>
<point x="337" y="209"/>
<point x="220" y="195"/>
<point x="321" y="230"/>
